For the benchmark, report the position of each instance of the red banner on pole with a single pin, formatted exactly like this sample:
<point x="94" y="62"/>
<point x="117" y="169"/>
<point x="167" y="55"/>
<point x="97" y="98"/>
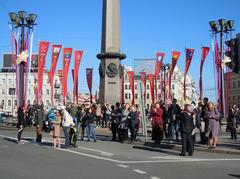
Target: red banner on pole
<point x="175" y="57"/>
<point x="205" y="51"/>
<point x="143" y="77"/>
<point x="67" y="53"/>
<point x="218" y="68"/>
<point x="89" y="75"/>
<point x="131" y="81"/>
<point x="189" y="55"/>
<point x="123" y="88"/>
<point x="56" y="49"/>
<point x="77" y="61"/>
<point x="159" y="61"/>
<point x="43" y="49"/>
<point x="151" y="81"/>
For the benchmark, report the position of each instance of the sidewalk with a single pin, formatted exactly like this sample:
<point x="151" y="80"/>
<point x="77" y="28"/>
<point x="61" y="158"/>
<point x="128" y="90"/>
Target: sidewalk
<point x="225" y="146"/>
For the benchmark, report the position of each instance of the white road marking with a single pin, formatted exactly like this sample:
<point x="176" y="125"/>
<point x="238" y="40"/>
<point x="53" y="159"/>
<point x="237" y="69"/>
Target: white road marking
<point x="95" y="150"/>
<point x="155" y="178"/>
<point x="13" y="138"/>
<point x="166" y="157"/>
<point x="138" y="162"/>
<point x="139" y="171"/>
<point x="123" y="166"/>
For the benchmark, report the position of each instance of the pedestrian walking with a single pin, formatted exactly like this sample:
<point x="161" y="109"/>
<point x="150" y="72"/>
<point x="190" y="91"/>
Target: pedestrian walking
<point x="123" y="127"/>
<point x="164" y="119"/>
<point x="98" y="116"/>
<point x="39" y="118"/>
<point x="132" y="120"/>
<point x="21" y="124"/>
<point x="232" y="121"/>
<point x="56" y="130"/>
<point x="90" y="128"/>
<point x="204" y="123"/>
<point x="214" y="128"/>
<point x="67" y="121"/>
<point x="157" y="123"/>
<point x="186" y="127"/>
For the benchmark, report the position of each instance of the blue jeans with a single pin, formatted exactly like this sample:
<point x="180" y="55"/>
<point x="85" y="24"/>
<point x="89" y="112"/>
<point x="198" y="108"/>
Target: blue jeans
<point x="173" y="130"/>
<point x="90" y="129"/>
<point x="66" y="135"/>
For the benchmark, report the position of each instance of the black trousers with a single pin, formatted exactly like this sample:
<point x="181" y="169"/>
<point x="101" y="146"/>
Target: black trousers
<point x="133" y="132"/>
<point x="234" y="133"/>
<point x="19" y="134"/>
<point x="187" y="143"/>
<point x="114" y="127"/>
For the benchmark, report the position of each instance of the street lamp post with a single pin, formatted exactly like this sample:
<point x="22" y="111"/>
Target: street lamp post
<point x="18" y="21"/>
<point x="225" y="27"/>
<point x="165" y="67"/>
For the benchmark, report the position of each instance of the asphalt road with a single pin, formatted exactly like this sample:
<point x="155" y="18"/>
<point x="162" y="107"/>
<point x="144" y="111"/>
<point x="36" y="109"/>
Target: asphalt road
<point x="106" y="159"/>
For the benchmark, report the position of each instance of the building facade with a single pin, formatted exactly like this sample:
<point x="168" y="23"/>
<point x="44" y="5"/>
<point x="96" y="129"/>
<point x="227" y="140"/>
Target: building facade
<point x="8" y="98"/>
<point x="176" y="89"/>
<point x="234" y="91"/>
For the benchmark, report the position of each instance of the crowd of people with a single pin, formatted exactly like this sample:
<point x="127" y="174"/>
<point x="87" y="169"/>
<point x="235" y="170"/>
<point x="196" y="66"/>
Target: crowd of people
<point x="124" y="121"/>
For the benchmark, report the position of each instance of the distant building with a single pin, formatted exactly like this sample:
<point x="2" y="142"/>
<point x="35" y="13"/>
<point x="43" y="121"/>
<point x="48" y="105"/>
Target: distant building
<point x="176" y="88"/>
<point x="234" y="92"/>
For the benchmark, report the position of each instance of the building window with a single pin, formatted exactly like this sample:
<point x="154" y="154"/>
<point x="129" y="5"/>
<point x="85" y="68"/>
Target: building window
<point x="29" y="91"/>
<point x="147" y="86"/>
<point x="129" y="96"/>
<point x="126" y="87"/>
<point x="28" y="102"/>
<point x="173" y="87"/>
<point x="148" y="96"/>
<point x="126" y="96"/>
<point x="3" y="102"/>
<point x="9" y="80"/>
<point x="135" y="87"/>
<point x="9" y="102"/>
<point x="47" y="102"/>
<point x="3" y="81"/>
<point x="238" y="97"/>
<point x="136" y="96"/>
<point x="159" y="86"/>
<point x="29" y="81"/>
<point x="234" y="85"/>
<point x="126" y="77"/>
<point x="233" y="97"/>
<point x="15" y="103"/>
<point x="47" y="92"/>
<point x="129" y="87"/>
<point x="47" y="81"/>
<point x="3" y="91"/>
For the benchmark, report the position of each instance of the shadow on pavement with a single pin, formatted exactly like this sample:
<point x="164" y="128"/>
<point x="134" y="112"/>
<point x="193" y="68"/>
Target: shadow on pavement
<point x="157" y="148"/>
<point x="234" y="175"/>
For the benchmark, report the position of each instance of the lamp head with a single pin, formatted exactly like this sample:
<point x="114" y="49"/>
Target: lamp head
<point x="33" y="17"/>
<point x="12" y="16"/>
<point x="213" y="25"/>
<point x="222" y="22"/>
<point x="230" y="24"/>
<point x="22" y="14"/>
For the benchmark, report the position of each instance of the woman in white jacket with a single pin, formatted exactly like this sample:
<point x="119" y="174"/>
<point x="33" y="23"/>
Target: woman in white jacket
<point x="67" y="121"/>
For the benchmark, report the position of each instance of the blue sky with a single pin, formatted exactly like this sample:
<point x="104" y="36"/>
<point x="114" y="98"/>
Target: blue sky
<point x="147" y="26"/>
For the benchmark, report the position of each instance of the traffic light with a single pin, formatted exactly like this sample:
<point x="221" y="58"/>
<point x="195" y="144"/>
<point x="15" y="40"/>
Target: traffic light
<point x="233" y="52"/>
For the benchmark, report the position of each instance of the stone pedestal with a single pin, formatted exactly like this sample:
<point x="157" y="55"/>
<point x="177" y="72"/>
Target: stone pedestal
<point x="110" y="69"/>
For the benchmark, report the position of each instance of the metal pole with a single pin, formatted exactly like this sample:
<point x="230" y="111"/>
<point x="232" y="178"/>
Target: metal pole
<point x="164" y="89"/>
<point x="222" y="77"/>
<point x="21" y="68"/>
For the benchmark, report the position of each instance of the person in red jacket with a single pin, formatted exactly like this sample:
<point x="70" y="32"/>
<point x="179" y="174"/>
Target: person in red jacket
<point x="157" y="123"/>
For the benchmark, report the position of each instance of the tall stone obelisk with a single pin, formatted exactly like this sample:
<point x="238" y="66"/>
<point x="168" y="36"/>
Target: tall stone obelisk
<point x="110" y="69"/>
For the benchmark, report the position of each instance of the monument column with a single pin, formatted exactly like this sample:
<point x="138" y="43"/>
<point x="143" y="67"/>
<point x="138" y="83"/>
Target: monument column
<point x="110" y="69"/>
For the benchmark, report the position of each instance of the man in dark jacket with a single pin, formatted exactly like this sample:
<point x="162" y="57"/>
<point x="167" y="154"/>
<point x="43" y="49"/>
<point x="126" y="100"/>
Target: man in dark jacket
<point x="204" y="123"/>
<point x="186" y="127"/>
<point x="173" y="112"/>
<point x="39" y="118"/>
<point x="115" y="120"/>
